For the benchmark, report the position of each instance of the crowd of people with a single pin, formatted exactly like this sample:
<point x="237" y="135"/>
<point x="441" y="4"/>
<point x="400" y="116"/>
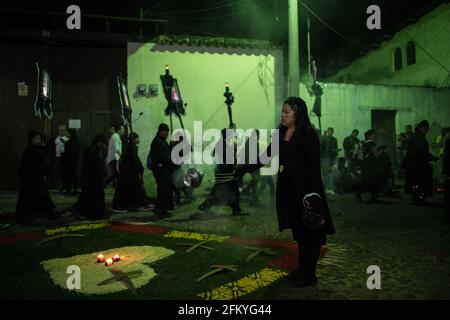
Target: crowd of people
<point x="368" y="167"/>
<point x="306" y="158"/>
<point x="365" y="167"/>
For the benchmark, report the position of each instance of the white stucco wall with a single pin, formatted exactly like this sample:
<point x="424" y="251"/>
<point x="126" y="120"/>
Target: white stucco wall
<point x="431" y="32"/>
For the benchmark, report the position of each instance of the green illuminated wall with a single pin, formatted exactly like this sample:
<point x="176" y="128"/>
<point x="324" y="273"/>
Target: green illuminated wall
<point x="201" y="77"/>
<point x="201" y="74"/>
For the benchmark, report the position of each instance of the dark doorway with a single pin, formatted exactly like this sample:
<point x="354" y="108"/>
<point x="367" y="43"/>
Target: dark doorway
<point x="383" y="121"/>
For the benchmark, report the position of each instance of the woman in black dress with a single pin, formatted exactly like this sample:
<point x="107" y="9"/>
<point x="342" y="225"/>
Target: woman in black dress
<point x="91" y="202"/>
<point x="34" y="198"/>
<point x="418" y="173"/>
<point x="130" y="192"/>
<point x="299" y="179"/>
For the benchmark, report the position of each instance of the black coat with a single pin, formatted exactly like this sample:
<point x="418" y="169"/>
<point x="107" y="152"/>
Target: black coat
<point x="161" y="156"/>
<point x="34" y="197"/>
<point x="417" y="165"/>
<point x="370" y="173"/>
<point x="91" y="202"/>
<point x="302" y="166"/>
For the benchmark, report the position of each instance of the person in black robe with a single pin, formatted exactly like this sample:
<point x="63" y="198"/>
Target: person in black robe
<point x="130" y="192"/>
<point x="299" y="178"/>
<point x="34" y="198"/>
<point x="226" y="186"/>
<point x="162" y="168"/>
<point x="418" y="173"/>
<point x="446" y="177"/>
<point x="70" y="159"/>
<point x="91" y="201"/>
<point x="370" y="180"/>
<point x="349" y="147"/>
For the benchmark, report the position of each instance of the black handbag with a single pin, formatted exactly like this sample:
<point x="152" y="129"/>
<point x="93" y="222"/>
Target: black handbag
<point x="312" y="213"/>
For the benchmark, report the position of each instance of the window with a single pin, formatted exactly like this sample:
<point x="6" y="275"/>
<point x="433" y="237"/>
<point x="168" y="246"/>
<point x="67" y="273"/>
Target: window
<point x="410" y="53"/>
<point x="398" y="63"/>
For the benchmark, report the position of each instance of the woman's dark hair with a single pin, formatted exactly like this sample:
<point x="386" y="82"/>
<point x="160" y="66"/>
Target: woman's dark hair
<point x="300" y="109"/>
<point x="423" y="124"/>
<point x="132" y="137"/>
<point x="163" y="127"/>
<point x="33" y="134"/>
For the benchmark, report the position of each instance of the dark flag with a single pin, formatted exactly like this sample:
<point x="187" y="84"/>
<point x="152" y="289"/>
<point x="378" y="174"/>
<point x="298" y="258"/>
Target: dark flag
<point x="317" y="91"/>
<point x="124" y="102"/>
<point x="43" y="103"/>
<point x="317" y="108"/>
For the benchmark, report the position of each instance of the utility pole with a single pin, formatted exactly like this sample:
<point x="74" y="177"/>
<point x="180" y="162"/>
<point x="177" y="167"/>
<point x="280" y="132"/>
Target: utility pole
<point x="141" y="17"/>
<point x="294" y="64"/>
<point x="309" y="47"/>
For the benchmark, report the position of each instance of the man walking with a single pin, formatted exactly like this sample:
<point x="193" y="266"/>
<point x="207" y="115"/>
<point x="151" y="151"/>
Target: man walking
<point x="114" y="153"/>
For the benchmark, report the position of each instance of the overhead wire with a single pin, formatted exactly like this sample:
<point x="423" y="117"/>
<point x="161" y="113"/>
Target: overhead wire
<point x="330" y="27"/>
<point x="205" y="9"/>
<point x="242" y="12"/>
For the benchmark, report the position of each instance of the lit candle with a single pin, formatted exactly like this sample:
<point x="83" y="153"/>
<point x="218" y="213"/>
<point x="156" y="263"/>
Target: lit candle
<point x="116" y="257"/>
<point x="100" y="258"/>
<point x="109" y="262"/>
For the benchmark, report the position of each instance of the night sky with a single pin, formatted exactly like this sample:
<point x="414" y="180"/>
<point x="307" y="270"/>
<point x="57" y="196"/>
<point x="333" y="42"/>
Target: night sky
<point x="254" y="19"/>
